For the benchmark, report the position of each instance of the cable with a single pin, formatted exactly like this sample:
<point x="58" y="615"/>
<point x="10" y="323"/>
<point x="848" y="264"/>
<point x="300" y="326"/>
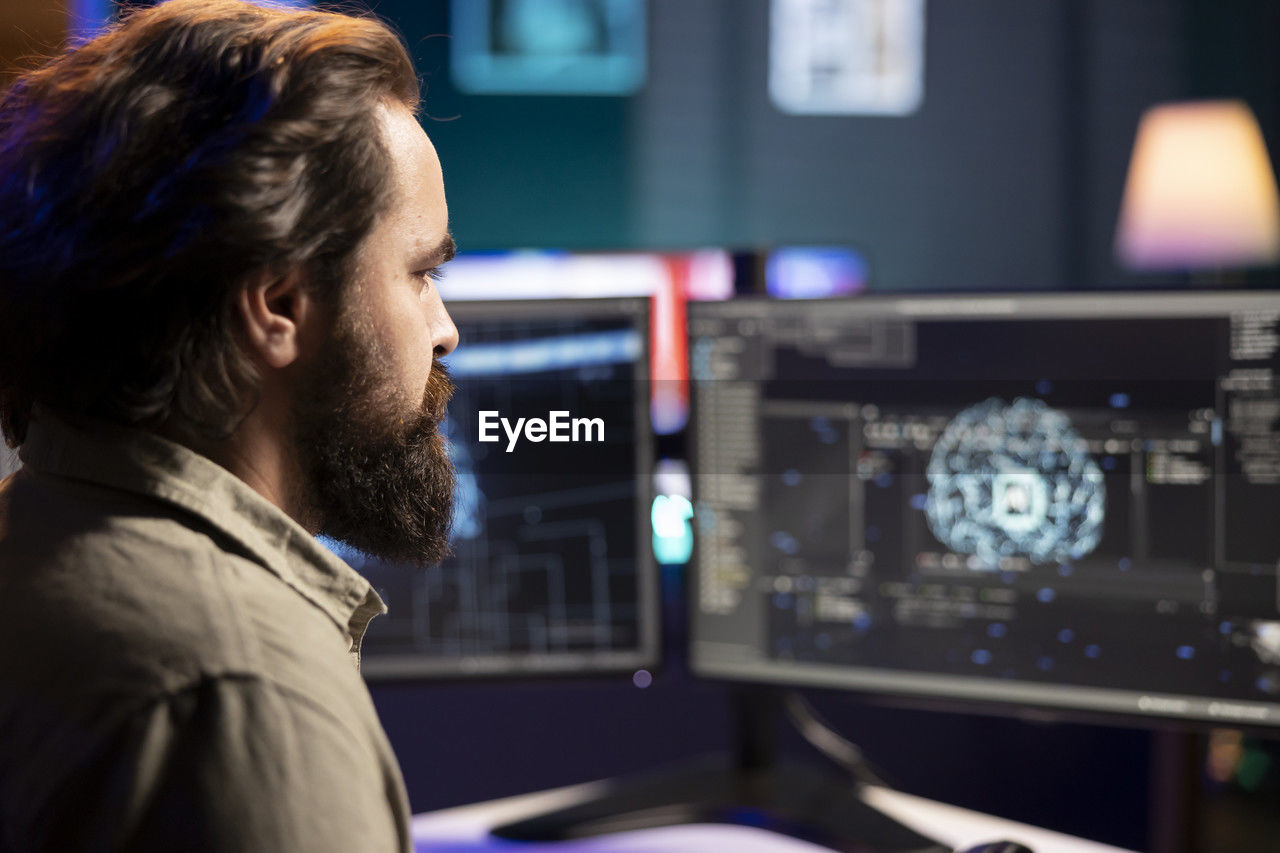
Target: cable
<point x="829" y="742"/>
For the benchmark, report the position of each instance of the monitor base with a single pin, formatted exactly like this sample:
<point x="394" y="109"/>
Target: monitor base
<point x="791" y="799"/>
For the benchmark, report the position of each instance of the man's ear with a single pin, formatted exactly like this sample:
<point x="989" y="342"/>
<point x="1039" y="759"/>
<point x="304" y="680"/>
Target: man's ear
<point x="277" y="314"/>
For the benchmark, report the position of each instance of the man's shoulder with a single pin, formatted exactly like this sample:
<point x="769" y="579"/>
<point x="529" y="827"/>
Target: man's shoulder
<point x="127" y="627"/>
<point x="113" y="585"/>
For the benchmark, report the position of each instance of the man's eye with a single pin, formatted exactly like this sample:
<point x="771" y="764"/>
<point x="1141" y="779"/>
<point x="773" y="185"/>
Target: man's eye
<point x="426" y="277"/>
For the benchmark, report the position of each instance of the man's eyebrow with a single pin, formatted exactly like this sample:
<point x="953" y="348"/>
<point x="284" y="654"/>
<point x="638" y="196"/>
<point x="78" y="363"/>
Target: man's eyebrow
<point x="441" y="253"/>
<point x="445" y="250"/>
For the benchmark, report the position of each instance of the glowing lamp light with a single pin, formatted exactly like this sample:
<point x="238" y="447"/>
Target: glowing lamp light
<point x="1200" y="193"/>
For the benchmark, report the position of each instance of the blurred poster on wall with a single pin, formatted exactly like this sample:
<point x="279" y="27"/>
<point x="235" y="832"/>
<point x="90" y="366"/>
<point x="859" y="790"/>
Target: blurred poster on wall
<point x="846" y="57"/>
<point x="548" y="47"/>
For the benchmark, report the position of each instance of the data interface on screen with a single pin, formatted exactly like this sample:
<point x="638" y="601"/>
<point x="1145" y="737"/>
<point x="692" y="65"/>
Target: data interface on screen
<point x="550" y="571"/>
<point x="1058" y="501"/>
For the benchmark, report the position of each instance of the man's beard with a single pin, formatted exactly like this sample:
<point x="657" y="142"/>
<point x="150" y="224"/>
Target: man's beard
<point x="376" y="471"/>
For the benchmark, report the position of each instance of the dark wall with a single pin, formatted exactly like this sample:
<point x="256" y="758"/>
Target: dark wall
<point x="963" y="193"/>
<point x="1131" y="54"/>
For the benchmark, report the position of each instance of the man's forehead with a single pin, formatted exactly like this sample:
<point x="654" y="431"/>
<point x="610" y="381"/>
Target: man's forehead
<point x="420" y="212"/>
<point x="409" y="145"/>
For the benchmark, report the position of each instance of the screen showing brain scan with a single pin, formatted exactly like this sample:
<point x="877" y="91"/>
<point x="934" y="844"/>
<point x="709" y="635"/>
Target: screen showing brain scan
<point x="1063" y="501"/>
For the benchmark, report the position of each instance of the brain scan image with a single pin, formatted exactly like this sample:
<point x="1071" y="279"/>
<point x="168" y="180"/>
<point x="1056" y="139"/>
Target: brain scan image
<point x="1014" y="480"/>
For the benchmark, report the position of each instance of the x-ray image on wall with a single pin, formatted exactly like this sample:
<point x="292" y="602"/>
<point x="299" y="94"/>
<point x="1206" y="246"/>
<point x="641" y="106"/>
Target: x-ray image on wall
<point x="548" y="47"/>
<point x="847" y="57"/>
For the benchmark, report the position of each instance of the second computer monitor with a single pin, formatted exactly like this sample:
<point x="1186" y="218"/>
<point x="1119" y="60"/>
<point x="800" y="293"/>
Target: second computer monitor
<point x="1060" y="501"/>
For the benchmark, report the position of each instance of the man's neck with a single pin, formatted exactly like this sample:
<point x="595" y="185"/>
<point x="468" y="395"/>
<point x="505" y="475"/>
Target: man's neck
<point x="261" y="453"/>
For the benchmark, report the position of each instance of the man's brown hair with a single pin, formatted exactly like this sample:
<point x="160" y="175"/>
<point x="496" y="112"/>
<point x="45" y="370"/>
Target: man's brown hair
<point x="148" y="174"/>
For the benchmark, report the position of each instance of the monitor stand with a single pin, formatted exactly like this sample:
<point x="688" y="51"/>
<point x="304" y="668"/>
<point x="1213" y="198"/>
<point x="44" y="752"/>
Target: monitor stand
<point x="751" y="789"/>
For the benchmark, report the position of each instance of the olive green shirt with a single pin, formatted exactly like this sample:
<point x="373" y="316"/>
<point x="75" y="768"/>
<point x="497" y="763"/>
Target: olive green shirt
<point x="178" y="662"/>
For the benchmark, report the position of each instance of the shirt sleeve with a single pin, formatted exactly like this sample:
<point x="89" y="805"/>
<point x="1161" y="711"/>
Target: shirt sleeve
<point x="230" y="764"/>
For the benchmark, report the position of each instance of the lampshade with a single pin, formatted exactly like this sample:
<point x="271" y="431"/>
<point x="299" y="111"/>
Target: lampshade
<point x="1200" y="192"/>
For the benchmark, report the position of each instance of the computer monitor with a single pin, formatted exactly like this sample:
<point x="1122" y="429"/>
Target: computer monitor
<point x="552" y="571"/>
<point x="1065" y="502"/>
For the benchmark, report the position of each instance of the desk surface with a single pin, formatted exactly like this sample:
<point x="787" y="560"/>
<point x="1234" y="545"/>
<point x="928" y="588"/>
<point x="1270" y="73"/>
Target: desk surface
<point x="466" y="829"/>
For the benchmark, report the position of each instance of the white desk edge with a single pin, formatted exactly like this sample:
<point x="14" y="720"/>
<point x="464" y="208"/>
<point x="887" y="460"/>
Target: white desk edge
<point x="950" y="825"/>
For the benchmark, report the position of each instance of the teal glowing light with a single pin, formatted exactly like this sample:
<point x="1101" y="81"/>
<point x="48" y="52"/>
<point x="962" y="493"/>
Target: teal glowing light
<point x="672" y="532"/>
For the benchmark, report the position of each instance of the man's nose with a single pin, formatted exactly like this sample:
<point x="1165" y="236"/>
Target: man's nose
<point x="446" y="337"/>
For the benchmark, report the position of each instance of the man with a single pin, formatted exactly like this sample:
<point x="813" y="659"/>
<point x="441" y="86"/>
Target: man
<point x="219" y="226"/>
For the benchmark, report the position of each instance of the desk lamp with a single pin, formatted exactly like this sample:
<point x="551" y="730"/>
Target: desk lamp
<point x="1200" y="193"/>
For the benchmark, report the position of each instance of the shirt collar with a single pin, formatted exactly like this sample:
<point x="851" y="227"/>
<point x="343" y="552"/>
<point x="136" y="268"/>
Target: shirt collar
<point x="144" y="463"/>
